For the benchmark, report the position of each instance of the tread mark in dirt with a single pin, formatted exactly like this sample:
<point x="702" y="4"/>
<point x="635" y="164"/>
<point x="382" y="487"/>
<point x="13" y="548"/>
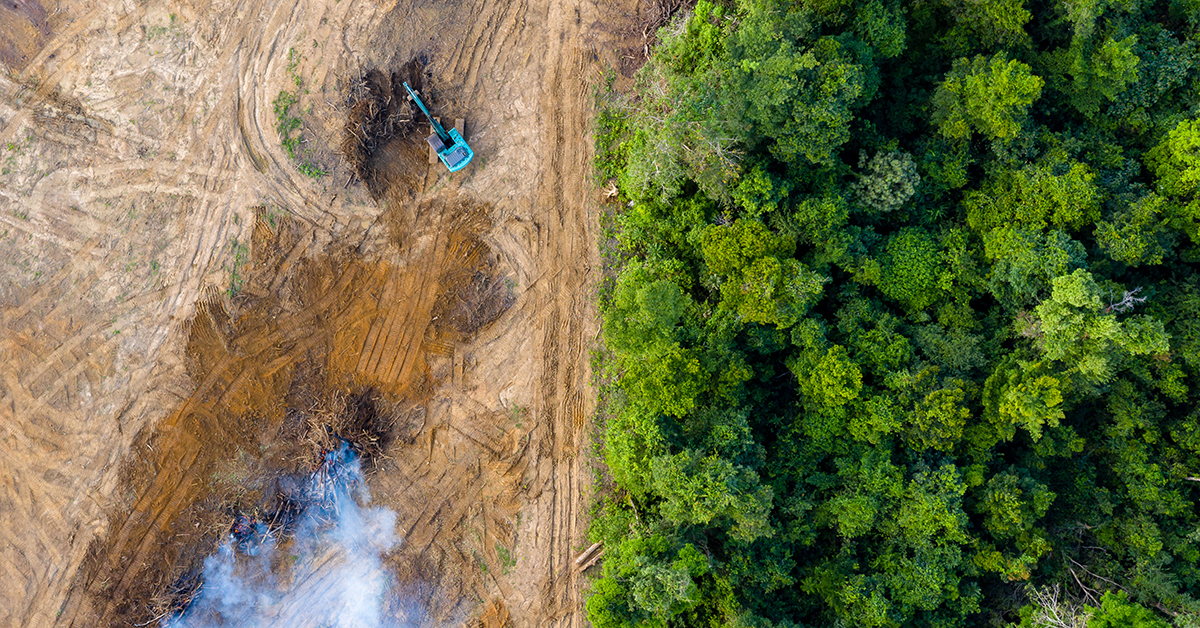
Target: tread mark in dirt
<point x="238" y="51"/>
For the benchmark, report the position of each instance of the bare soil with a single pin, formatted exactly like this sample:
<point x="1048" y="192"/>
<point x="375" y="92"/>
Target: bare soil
<point x="185" y="314"/>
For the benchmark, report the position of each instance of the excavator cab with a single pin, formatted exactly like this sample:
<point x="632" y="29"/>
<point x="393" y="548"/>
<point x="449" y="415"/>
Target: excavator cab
<point x="450" y="146"/>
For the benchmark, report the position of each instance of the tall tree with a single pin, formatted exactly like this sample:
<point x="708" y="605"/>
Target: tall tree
<point x="1176" y="163"/>
<point x="985" y="95"/>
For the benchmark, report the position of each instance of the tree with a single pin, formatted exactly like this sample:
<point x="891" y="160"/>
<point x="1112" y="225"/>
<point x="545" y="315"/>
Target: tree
<point x="819" y="222"/>
<point x="1049" y="609"/>
<point x="828" y="380"/>
<point x="889" y="181"/>
<point x="987" y="96"/>
<point x="632" y="439"/>
<point x="1138" y="234"/>
<point x="875" y="419"/>
<point x="666" y="380"/>
<point x="987" y="23"/>
<point x="875" y="388"/>
<point x="679" y="132"/>
<point x="1021" y="394"/>
<point x="1176" y="160"/>
<point x="727" y="249"/>
<point x="1024" y="262"/>
<point x="759" y="280"/>
<point x="1100" y="77"/>
<point x="760" y="191"/>
<point x="1176" y="163"/>
<point x="799" y="97"/>
<point x="661" y="234"/>
<point x="1086" y="337"/>
<point x="650" y="578"/>
<point x="871" y="487"/>
<point x="1116" y="611"/>
<point x="700" y="489"/>
<point x="723" y="430"/>
<point x="882" y="349"/>
<point x="1083" y="15"/>
<point x="644" y="311"/>
<point x="662" y="591"/>
<point x="1055" y="192"/>
<point x="909" y="268"/>
<point x="921" y="559"/>
<point x="773" y="291"/>
<point x="1181" y="314"/>
<point x="863" y="601"/>
<point x="1031" y="403"/>
<point x="883" y="26"/>
<point x="699" y="45"/>
<point x="1012" y="504"/>
<point x="1149" y="104"/>
<point x="956" y="352"/>
<point x="937" y="421"/>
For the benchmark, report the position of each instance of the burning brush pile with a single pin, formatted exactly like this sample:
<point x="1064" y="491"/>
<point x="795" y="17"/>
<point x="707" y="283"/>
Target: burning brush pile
<point x="357" y="420"/>
<point x="317" y="558"/>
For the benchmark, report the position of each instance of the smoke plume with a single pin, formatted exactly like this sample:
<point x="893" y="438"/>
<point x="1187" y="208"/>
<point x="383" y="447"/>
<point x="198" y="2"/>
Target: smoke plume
<point x="327" y="573"/>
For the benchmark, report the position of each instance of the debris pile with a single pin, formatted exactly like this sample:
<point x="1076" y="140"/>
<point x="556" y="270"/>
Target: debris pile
<point x="472" y="304"/>
<point x="379" y="111"/>
<point x="324" y="569"/>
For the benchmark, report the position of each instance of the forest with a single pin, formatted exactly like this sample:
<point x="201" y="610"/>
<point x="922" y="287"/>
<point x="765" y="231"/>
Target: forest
<point x="902" y="318"/>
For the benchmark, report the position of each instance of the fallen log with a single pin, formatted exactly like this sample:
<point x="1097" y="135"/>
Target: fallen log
<point x="587" y="552"/>
<point x="588" y="564"/>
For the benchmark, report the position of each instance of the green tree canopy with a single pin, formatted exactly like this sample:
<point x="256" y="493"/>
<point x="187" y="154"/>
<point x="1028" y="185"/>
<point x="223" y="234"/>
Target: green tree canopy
<point x="1083" y="334"/>
<point x="901" y="307"/>
<point x="1057" y="193"/>
<point x="1138" y="233"/>
<point x="645" y="311"/>
<point x="910" y="266"/>
<point x="798" y="96"/>
<point x="1176" y="164"/>
<point x="1024" y="262"/>
<point x="890" y="179"/>
<point x="985" y="95"/>
<point x="759" y="280"/>
<point x="699" y="489"/>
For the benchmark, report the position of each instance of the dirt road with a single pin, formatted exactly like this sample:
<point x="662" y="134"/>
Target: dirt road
<point x="137" y="141"/>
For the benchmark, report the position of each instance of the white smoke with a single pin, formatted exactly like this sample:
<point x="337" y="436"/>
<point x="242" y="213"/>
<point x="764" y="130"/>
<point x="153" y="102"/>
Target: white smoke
<point x="331" y="576"/>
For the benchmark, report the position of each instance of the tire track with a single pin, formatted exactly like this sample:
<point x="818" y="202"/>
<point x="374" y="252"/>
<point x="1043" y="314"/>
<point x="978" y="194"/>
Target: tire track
<point x="565" y="179"/>
<point x="227" y="158"/>
<point x="36" y="399"/>
<point x="179" y="464"/>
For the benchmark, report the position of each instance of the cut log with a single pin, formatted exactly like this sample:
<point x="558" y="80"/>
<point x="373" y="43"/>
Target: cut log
<point x="588" y="564"/>
<point x="587" y="553"/>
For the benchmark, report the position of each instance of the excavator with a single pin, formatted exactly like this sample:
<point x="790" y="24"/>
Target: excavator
<point x="450" y="146"/>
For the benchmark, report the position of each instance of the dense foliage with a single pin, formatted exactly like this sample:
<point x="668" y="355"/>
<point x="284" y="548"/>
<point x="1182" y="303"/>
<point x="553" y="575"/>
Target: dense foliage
<point x="906" y="326"/>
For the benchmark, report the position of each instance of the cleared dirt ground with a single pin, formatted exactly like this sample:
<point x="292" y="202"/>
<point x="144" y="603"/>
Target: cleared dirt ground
<point x="177" y="298"/>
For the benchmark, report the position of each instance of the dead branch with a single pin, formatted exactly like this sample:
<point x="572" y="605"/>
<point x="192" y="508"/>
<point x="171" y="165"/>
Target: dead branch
<point x="1051" y="612"/>
<point x="1128" y="301"/>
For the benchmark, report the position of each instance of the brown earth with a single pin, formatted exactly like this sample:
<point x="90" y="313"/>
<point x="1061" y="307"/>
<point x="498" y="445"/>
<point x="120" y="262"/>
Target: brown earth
<point x="180" y="304"/>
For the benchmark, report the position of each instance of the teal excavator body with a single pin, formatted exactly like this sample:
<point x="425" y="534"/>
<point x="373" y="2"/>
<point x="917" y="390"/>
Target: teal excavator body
<point x="450" y="146"/>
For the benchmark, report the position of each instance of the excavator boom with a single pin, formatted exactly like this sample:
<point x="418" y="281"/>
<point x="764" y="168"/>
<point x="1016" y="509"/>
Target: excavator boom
<point x="450" y="146"/>
<point x="437" y="127"/>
